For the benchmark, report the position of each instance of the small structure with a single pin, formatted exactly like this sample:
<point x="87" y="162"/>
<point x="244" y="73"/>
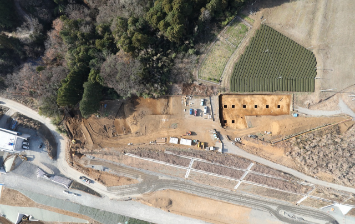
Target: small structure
<point x="161" y="141"/>
<point x="10" y="141"/>
<point x="174" y="140"/>
<point x="184" y="141"/>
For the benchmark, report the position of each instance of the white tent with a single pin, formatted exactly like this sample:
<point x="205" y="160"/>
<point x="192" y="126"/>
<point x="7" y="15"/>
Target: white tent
<point x="185" y="141"/>
<point x="174" y="140"/>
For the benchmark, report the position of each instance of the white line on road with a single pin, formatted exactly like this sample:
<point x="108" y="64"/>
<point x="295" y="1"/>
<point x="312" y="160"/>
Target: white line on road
<point x="189" y="169"/>
<point x="244" y="175"/>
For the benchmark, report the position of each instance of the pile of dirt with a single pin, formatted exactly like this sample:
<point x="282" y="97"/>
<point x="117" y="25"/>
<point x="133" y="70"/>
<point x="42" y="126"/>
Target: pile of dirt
<point x="160" y="155"/>
<point x="225" y="159"/>
<point x="218" y="169"/>
<point x="199" y="90"/>
<point x="326" y="151"/>
<point x="26" y="122"/>
<point x="3" y="110"/>
<point x="278" y="184"/>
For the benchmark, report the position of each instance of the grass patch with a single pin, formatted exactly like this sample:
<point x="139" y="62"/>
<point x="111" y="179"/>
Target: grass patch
<point x="236" y="32"/>
<point x="273" y="62"/>
<point x="213" y="66"/>
<point x="247" y="18"/>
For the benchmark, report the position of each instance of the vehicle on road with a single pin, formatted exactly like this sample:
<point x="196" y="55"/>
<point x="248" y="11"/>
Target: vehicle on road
<point x="75" y="194"/>
<point x="25" y="147"/>
<point x="86" y="180"/>
<point x="66" y="192"/>
<point x="40" y="145"/>
<point x="205" y="110"/>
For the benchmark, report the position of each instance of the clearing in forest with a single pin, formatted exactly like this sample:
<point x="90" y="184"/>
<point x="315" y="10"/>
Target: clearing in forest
<point x="273" y="62"/>
<point x="215" y="61"/>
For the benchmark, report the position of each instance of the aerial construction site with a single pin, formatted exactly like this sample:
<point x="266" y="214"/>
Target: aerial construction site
<point x="250" y="122"/>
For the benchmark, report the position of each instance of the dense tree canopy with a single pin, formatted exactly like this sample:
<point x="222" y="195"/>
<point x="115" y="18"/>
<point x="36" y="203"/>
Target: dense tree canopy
<point x="8" y="17"/>
<point x="107" y="48"/>
<point x="91" y="98"/>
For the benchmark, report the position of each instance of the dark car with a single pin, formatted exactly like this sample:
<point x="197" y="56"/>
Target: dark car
<point x="40" y="145"/>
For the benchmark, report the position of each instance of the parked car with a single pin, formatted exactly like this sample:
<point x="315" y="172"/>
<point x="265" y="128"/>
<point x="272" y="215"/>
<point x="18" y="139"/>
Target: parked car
<point x="205" y="110"/>
<point x="40" y="145"/>
<point x="195" y="112"/>
<point x="191" y="111"/>
<point x="86" y="180"/>
<point x="66" y="192"/>
<point x="75" y="194"/>
<point x="202" y="102"/>
<point x="25" y="143"/>
<point x="25" y="147"/>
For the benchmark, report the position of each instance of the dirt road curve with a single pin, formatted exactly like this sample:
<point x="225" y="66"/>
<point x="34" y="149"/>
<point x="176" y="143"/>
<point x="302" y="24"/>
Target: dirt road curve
<point x="155" y="184"/>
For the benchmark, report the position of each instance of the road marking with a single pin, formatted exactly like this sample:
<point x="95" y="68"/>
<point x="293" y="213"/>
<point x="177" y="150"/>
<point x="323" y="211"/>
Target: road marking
<point x="244" y="175"/>
<point x="156" y="161"/>
<point x="189" y="169"/>
<point x="302" y="199"/>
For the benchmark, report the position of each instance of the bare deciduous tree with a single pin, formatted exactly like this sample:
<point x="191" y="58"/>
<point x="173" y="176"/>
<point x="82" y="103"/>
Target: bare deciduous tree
<point x="123" y="73"/>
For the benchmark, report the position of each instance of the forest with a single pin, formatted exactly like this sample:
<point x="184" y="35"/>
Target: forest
<point x="75" y="53"/>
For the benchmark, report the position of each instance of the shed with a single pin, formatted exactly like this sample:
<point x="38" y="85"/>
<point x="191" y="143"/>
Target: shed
<point x="161" y="141"/>
<point x="185" y="141"/>
<point x="174" y="140"/>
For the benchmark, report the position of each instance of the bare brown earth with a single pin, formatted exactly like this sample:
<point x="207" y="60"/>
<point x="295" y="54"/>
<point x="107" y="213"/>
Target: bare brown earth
<point x="233" y="111"/>
<point x="209" y="210"/>
<point x="140" y="121"/>
<point x="15" y="198"/>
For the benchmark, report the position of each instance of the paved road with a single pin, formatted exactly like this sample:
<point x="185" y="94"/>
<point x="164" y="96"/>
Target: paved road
<point x="342" y="109"/>
<point x="149" y="186"/>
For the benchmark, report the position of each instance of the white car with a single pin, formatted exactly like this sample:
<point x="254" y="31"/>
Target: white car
<point x="66" y="192"/>
<point x="25" y="147"/>
<point x="205" y="110"/>
<point x="25" y="143"/>
<point x="202" y="102"/>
